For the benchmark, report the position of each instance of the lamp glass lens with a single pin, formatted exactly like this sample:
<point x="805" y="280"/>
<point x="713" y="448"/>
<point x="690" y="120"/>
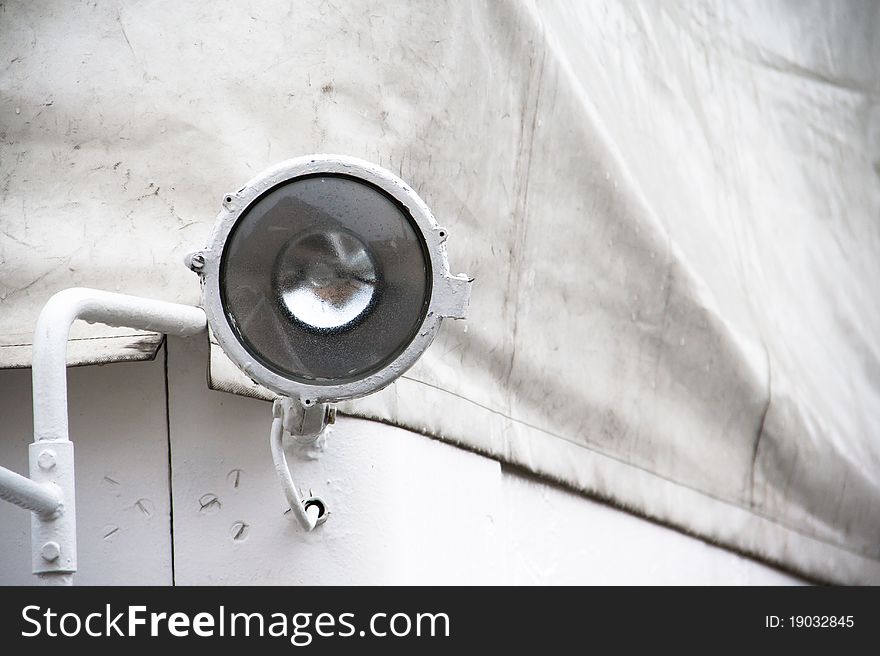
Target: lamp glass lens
<point x="325" y="279"/>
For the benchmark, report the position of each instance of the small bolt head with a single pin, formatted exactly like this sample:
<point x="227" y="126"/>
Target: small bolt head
<point x="195" y="261"/>
<point x="51" y="551"/>
<point x="46" y="460"/>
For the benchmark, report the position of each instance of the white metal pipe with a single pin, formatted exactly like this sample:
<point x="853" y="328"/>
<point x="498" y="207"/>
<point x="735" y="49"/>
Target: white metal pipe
<point x="94" y="306"/>
<point x="42" y="498"/>
<point x="53" y="538"/>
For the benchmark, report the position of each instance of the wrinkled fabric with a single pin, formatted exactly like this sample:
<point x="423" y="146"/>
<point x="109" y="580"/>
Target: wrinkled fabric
<point x="670" y="210"/>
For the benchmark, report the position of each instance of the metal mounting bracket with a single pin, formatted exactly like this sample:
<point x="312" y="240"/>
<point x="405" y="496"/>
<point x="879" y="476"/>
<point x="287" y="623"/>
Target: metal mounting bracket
<point x="53" y="536"/>
<point x="305" y="424"/>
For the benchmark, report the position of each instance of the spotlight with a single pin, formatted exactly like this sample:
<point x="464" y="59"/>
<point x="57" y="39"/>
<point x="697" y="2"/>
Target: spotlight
<point x="326" y="278"/>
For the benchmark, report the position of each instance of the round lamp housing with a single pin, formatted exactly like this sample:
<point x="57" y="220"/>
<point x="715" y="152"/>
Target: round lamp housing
<point x="326" y="277"/>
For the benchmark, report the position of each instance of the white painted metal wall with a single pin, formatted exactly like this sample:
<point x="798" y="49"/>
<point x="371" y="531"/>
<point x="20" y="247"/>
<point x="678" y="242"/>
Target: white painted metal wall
<point x="117" y="423"/>
<point x="405" y="508"/>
